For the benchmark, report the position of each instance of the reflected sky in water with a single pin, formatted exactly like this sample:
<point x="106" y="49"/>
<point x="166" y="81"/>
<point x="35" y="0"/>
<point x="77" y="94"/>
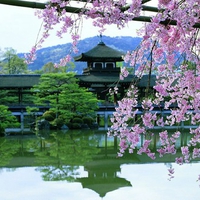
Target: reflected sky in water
<point x="142" y="181"/>
<point x="149" y="181"/>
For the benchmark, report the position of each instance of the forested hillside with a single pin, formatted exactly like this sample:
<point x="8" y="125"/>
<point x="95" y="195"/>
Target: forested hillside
<point x="55" y="53"/>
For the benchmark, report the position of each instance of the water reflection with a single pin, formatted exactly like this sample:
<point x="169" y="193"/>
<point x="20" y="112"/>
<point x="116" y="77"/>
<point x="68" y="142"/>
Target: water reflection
<point x="8" y="148"/>
<point x="60" y="155"/>
<point x="84" y="157"/>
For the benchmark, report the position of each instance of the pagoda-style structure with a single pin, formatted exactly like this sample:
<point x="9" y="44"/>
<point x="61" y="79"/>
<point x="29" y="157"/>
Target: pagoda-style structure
<point x="102" y="71"/>
<point x="101" y="59"/>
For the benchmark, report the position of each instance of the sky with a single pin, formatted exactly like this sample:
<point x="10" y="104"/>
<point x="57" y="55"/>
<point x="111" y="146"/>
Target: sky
<point x="20" y="28"/>
<point x="149" y="181"/>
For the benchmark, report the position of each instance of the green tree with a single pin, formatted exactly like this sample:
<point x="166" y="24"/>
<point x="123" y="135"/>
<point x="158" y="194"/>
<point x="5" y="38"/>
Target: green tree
<point x="12" y="64"/>
<point x="50" y="68"/>
<point x="9" y="97"/>
<point x="65" y="97"/>
<point x="7" y="120"/>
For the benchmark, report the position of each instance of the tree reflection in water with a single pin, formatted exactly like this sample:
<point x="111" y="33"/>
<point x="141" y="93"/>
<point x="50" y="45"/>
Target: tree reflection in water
<point x="8" y="148"/>
<point x="60" y="155"/>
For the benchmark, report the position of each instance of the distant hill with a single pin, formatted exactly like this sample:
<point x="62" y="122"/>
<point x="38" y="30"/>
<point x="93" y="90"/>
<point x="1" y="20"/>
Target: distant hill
<point x="55" y="53"/>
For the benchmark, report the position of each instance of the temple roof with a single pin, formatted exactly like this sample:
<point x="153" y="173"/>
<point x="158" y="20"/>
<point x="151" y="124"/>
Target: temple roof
<point x="113" y="79"/>
<point x="100" y="53"/>
<point x="18" y="81"/>
<point x="103" y="185"/>
<point x="102" y="78"/>
<point x="27" y="81"/>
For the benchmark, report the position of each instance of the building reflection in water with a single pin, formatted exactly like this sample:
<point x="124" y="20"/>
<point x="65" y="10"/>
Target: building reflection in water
<point x="58" y="156"/>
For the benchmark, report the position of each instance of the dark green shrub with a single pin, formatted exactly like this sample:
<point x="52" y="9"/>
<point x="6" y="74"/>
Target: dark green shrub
<point x="2" y="130"/>
<point x="77" y="120"/>
<point x="7" y="120"/>
<point x="49" y="116"/>
<point x="76" y="126"/>
<point x="88" y="120"/>
<point x="58" y="122"/>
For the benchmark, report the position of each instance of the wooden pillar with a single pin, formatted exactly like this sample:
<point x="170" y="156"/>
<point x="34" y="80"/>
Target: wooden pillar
<point x="106" y="120"/>
<point x="19" y="96"/>
<point x="22" y="120"/>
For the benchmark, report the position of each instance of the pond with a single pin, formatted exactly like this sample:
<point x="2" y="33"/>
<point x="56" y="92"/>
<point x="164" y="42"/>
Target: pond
<point x="83" y="165"/>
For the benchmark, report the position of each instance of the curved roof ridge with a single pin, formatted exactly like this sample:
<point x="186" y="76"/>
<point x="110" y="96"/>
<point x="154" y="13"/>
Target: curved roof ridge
<point x="100" y="52"/>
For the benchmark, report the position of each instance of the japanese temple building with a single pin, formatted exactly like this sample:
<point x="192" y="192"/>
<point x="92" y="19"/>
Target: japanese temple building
<point x="100" y="75"/>
<point x="103" y="71"/>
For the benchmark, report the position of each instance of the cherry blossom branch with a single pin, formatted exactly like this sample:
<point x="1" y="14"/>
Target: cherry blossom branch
<point x="171" y="34"/>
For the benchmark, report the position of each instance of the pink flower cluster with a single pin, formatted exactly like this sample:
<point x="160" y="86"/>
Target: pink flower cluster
<point x="145" y="149"/>
<point x="167" y="143"/>
<point x="170" y="49"/>
<point x="124" y="73"/>
<point x="63" y="62"/>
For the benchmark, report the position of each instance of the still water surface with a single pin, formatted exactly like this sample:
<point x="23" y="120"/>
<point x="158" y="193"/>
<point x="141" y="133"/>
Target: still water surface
<point x="83" y="165"/>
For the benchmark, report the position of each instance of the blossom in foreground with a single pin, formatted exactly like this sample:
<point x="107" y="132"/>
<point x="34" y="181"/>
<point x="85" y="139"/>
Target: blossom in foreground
<point x="169" y="49"/>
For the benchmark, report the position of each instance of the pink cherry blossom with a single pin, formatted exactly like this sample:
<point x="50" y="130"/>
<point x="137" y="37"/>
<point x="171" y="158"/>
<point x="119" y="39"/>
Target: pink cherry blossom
<point x="169" y="49"/>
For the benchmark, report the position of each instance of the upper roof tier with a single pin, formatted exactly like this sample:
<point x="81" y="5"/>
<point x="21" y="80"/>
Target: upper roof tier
<point x="100" y="53"/>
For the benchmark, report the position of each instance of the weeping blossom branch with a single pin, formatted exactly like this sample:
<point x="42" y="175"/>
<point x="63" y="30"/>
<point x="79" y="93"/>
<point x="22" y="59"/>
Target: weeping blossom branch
<point x="171" y="52"/>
